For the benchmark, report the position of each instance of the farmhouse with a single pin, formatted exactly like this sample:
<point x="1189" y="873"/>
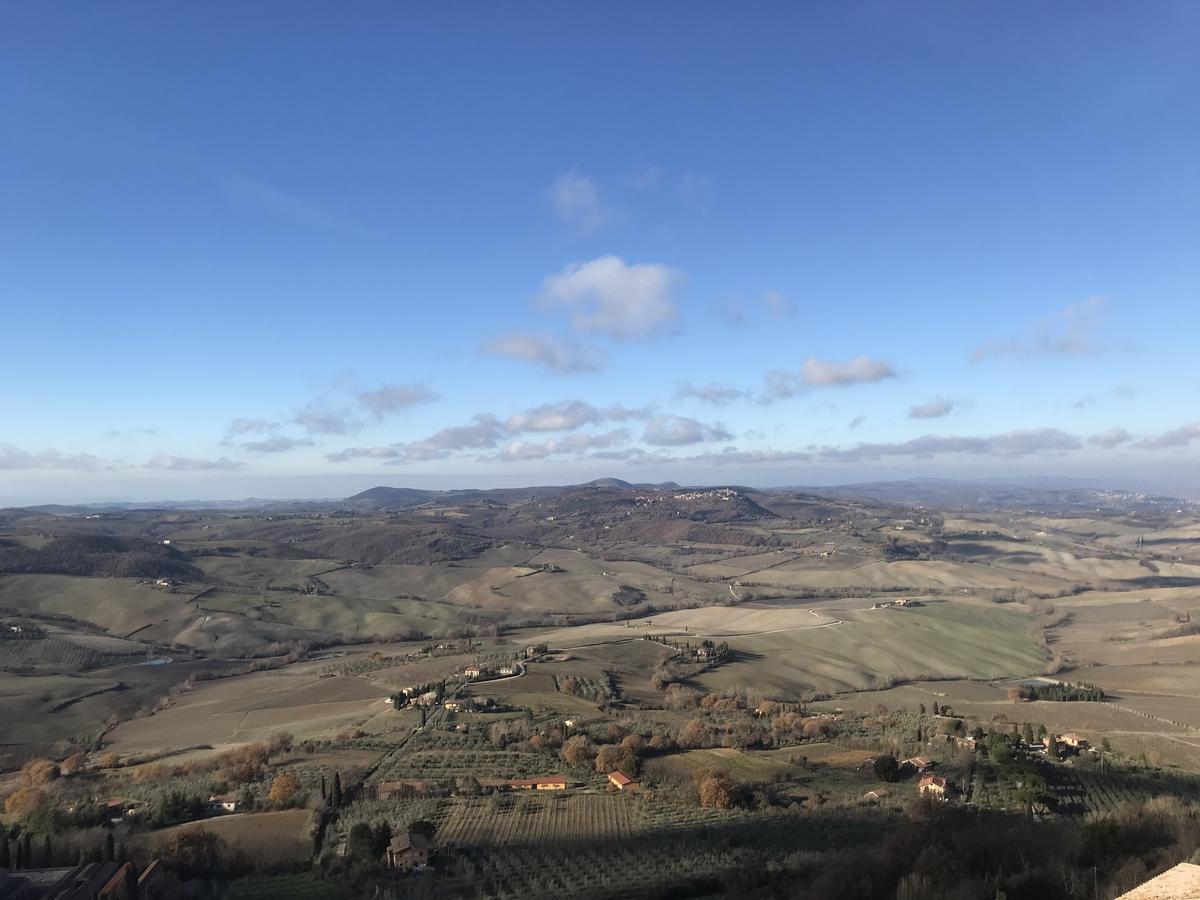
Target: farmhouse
<point x="933" y="786"/>
<point x="621" y="781"/>
<point x="385" y="790"/>
<point x="507" y="670"/>
<point x="452" y="705"/>
<point x="876" y="795"/>
<point x="472" y="672"/>
<point x="223" y="802"/>
<point x="1071" y="739"/>
<point x="408" y="851"/>
<point x="921" y="764"/>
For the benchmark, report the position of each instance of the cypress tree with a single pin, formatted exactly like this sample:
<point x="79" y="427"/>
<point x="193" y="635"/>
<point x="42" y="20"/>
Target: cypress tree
<point x="110" y="847"/>
<point x="337" y="789"/>
<point x="5" y="859"/>
<point x="324" y="790"/>
<point x="46" y="852"/>
<point x="27" y="850"/>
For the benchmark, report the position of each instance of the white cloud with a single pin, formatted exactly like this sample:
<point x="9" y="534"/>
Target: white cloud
<point x="575" y="443"/>
<point x="484" y="431"/>
<point x="860" y="370"/>
<point x="607" y="296"/>
<point x="557" y="355"/>
<point x="575" y="199"/>
<point x="674" y="431"/>
<point x="931" y="409"/>
<point x="563" y="416"/>
<point x="779" y="384"/>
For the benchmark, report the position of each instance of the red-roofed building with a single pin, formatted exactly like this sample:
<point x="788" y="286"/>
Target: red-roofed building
<point x="933" y="786"/>
<point x="620" y="780"/>
<point x="541" y="783"/>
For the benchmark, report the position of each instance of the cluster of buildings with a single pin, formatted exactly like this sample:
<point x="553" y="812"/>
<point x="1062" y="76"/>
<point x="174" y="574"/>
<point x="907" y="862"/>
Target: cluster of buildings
<point x="90" y="881"/>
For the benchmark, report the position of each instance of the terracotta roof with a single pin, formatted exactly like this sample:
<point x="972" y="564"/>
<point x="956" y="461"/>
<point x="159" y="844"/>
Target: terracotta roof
<point x="937" y="780"/>
<point x="410" y="840"/>
<point x="113" y="884"/>
<point x="541" y="779"/>
<point x="620" y="778"/>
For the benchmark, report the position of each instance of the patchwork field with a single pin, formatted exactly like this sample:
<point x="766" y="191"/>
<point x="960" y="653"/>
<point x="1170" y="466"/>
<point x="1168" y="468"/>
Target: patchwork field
<point x="795" y="649"/>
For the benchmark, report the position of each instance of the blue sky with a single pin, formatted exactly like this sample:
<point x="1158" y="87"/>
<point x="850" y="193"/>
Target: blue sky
<point x="299" y="249"/>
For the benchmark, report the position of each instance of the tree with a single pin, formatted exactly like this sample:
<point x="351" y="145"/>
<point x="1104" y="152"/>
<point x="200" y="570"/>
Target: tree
<point x="108" y="760"/>
<point x="195" y="852"/>
<point x="886" y="768"/>
<point x="337" y="790"/>
<point x="383" y="837"/>
<point x="717" y="791"/>
<point x="324" y="790"/>
<point x="23" y="801"/>
<point x="360" y="843"/>
<point x="423" y="827"/>
<point x="72" y="764"/>
<point x="578" y="750"/>
<point x="38" y="772"/>
<point x="1028" y="733"/>
<point x="612" y="757"/>
<point x="47" y="851"/>
<point x="110" y="847"/>
<point x="5" y="856"/>
<point x="283" y="788"/>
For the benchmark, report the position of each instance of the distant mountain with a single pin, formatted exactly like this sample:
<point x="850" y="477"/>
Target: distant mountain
<point x="389" y="497"/>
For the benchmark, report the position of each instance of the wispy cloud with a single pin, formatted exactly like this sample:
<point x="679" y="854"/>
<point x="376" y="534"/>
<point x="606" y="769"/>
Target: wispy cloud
<point x="1113" y="437"/>
<point x="279" y="443"/>
<point x="931" y="409"/>
<point x="387" y="399"/>
<point x="556" y="355"/>
<point x="575" y="199"/>
<point x="257" y="196"/>
<point x="12" y="457"/>
<point x="316" y="417"/>
<point x="131" y="432"/>
<point x="1010" y="445"/>
<point x="250" y="426"/>
<point x="716" y="394"/>
<point x="1072" y="331"/>
<point x="192" y="464"/>
<point x="610" y="297"/>
<point x="856" y="421"/>
<point x="1176" y="437"/>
